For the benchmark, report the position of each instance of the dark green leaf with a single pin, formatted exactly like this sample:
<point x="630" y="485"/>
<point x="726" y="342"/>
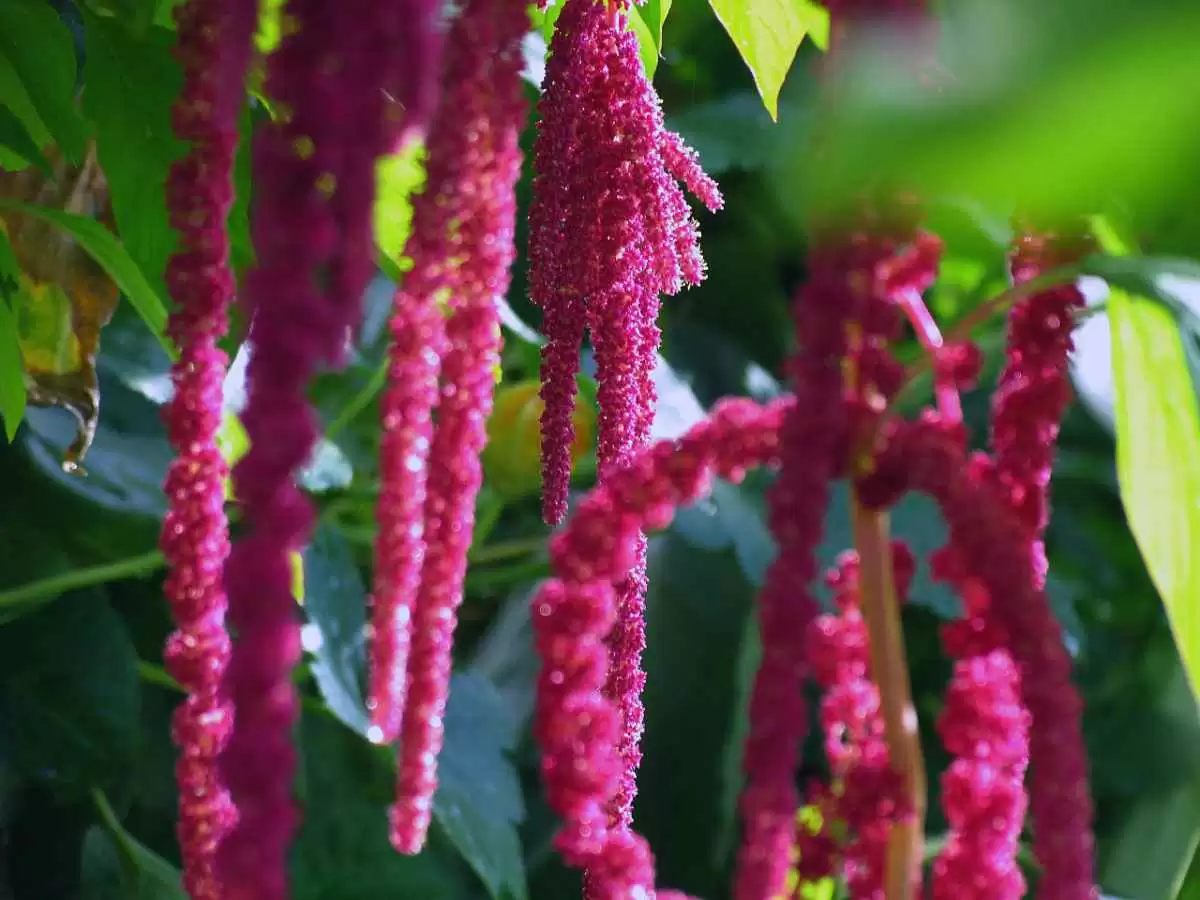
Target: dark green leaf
<point x="335" y="604"/>
<point x="117" y="866"/>
<point x="109" y="253"/>
<point x="131" y="84"/>
<point x="767" y="34"/>
<point x="69" y="692"/>
<point x="342" y="851"/>
<point x="126" y="465"/>
<point x="18" y="102"/>
<point x="41" y="52"/>
<point x="15" y="137"/>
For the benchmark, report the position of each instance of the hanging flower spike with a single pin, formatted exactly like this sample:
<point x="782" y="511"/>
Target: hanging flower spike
<point x="995" y="551"/>
<point x="213" y="50"/>
<point x="414" y="353"/>
<point x="577" y="723"/>
<point x="1034" y="387"/>
<point x="464" y="228"/>
<point x="300" y="318"/>
<point x="814" y="441"/>
<point x="1030" y="400"/>
<point x="609" y="231"/>
<point x="869" y="797"/>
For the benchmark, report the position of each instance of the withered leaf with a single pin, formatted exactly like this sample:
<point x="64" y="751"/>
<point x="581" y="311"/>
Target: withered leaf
<point x="64" y="298"/>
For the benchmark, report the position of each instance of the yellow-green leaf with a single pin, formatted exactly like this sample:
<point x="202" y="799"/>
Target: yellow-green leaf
<point x="397" y="177"/>
<point x="1158" y="459"/>
<point x="767" y="34"/>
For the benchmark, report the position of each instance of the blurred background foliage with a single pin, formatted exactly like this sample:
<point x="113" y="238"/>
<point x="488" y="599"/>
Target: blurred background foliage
<point x="1062" y="108"/>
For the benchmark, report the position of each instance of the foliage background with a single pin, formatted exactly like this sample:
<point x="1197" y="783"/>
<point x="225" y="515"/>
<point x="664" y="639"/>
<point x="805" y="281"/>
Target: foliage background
<point x="86" y="789"/>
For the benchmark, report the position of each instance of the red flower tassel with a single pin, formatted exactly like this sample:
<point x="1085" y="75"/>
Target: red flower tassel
<point x="213" y="49"/>
<point x="463" y="250"/>
<point x="577" y="722"/>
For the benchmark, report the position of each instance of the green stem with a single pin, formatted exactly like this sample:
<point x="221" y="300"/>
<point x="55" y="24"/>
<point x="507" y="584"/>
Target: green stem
<point x="49" y="588"/>
<point x="361" y="400"/>
<point x="504" y="550"/>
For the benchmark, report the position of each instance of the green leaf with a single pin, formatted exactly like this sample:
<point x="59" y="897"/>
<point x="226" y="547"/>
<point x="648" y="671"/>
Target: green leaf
<point x="69" y="692"/>
<point x="1149" y="856"/>
<point x="647" y="44"/>
<point x="12" y="370"/>
<point x="127" y="463"/>
<point x="342" y="851"/>
<point x="335" y="604"/>
<point x="15" y="137"/>
<point x="12" y="373"/>
<point x="112" y="256"/>
<point x="125" y="869"/>
<point x="397" y="177"/>
<point x="1055" y="124"/>
<point x="40" y="50"/>
<point x="654" y="13"/>
<point x="1158" y="458"/>
<point x="479" y="802"/>
<point x="18" y="102"/>
<point x="767" y="33"/>
<point x="131" y="84"/>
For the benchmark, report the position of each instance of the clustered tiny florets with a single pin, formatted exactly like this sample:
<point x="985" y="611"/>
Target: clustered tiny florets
<point x="610" y="231"/>
<point x="213" y="50"/>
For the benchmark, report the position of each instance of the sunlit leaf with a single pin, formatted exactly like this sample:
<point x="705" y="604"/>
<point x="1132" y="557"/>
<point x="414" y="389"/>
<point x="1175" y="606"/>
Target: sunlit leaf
<point x="654" y="13"/>
<point x="1158" y="458"/>
<point x="40" y="50"/>
<point x="767" y="34"/>
<point x="396" y="178"/>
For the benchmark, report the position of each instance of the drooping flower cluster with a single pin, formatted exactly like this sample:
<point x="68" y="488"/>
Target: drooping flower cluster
<point x="610" y="230"/>
<point x="866" y="796"/>
<point x="463" y="251"/>
<point x="213" y="50"/>
<point x="993" y="548"/>
<point x="303" y="294"/>
<point x="577" y="723"/>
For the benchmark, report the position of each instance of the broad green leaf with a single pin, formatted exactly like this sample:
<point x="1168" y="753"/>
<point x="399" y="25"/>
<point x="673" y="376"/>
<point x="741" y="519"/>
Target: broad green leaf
<point x="342" y="850"/>
<point x="1158" y="458"/>
<point x="131" y="84"/>
<point x="397" y="177"/>
<point x="40" y="50"/>
<point x="15" y="137"/>
<point x="654" y="13"/>
<point x="767" y="33"/>
<point x="76" y="722"/>
<point x="112" y="869"/>
<point x="112" y="256"/>
<point x="478" y="804"/>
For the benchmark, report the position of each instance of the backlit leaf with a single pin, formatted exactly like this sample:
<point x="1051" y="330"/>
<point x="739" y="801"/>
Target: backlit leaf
<point x="767" y="34"/>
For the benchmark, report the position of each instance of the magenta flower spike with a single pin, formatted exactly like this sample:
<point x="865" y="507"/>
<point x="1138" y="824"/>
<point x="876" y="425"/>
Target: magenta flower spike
<point x="462" y="249"/>
<point x="577" y="721"/>
<point x="993" y="545"/>
<point x="610" y="230"/>
<point x="313" y="199"/>
<point x="213" y="50"/>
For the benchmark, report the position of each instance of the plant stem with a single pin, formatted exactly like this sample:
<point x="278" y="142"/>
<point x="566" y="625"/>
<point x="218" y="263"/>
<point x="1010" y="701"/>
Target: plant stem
<point x="361" y="400"/>
<point x="49" y="588"/>
<point x="889" y="671"/>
